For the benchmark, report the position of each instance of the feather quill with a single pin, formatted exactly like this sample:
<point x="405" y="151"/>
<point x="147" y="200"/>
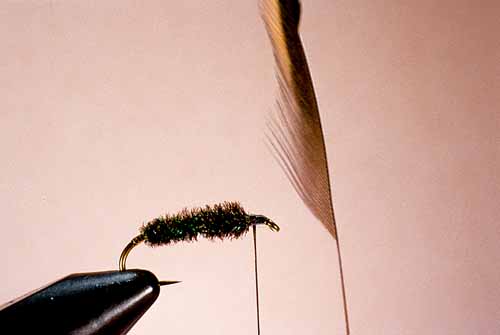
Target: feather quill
<point x="295" y="132"/>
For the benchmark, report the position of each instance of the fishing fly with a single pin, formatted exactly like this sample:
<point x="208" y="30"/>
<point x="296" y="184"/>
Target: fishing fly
<point x="227" y="220"/>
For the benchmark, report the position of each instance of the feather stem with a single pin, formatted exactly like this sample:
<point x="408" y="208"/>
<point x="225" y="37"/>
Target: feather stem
<point x="296" y="134"/>
<point x="342" y="285"/>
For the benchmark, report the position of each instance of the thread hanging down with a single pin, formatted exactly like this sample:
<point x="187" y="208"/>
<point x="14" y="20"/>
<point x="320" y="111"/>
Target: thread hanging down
<point x="254" y="231"/>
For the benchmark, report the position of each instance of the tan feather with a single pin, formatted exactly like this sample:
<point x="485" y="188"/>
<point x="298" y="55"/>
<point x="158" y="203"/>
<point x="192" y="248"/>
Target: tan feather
<point x="295" y="131"/>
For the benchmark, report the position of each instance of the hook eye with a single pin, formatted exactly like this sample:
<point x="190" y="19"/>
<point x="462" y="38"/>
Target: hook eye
<point x="273" y="226"/>
<point x="261" y="219"/>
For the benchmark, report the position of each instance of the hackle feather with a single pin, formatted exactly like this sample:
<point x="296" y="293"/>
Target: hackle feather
<point x="295" y="132"/>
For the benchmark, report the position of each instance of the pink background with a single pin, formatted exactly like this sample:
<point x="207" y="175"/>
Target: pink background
<point x="115" y="112"/>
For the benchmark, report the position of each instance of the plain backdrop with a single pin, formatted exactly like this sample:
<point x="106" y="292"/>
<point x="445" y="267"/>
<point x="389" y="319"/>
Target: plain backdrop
<point x="115" y="112"/>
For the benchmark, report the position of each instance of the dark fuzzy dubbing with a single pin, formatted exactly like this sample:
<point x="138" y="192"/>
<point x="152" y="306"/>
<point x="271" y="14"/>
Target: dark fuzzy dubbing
<point x="226" y="220"/>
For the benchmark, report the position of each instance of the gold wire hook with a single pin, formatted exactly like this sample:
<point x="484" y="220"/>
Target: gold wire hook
<point x="122" y="263"/>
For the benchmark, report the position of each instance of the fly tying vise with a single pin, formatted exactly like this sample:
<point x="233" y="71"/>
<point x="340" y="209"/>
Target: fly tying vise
<point x="111" y="302"/>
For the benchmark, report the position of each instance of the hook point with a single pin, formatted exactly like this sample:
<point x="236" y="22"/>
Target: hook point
<point x="168" y="282"/>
